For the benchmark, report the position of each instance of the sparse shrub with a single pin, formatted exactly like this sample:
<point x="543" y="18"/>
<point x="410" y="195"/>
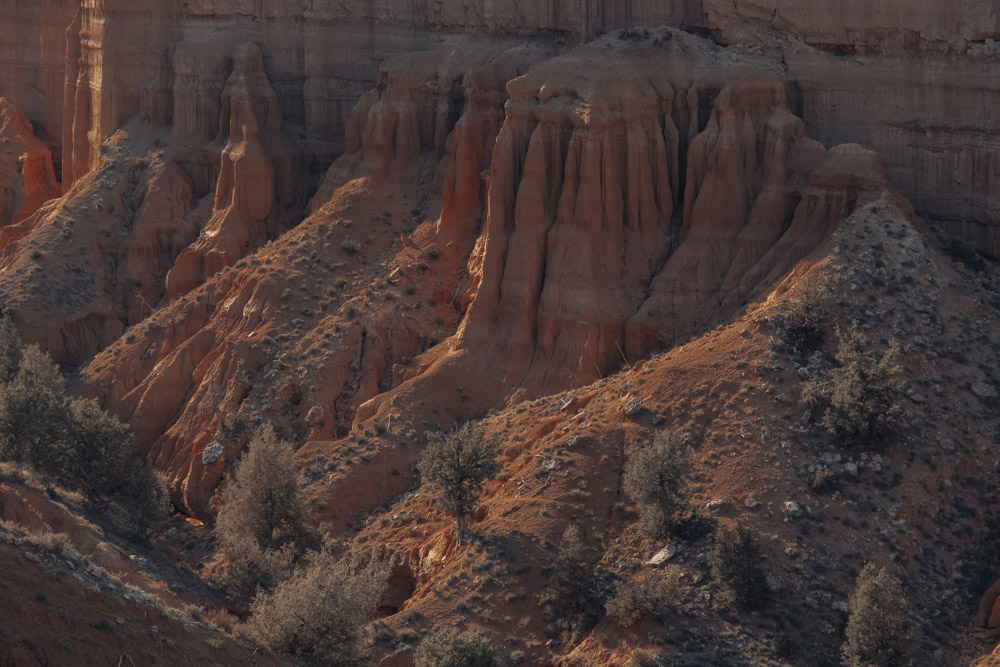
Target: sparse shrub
<point x="148" y="493"/>
<point x="98" y="453"/>
<point x="961" y="250"/>
<point x="456" y="466"/>
<point x="262" y="523"/>
<point x="799" y="324"/>
<point x="650" y="595"/>
<point x="10" y="348"/>
<point x="862" y="395"/>
<point x="633" y="34"/>
<point x="570" y="578"/>
<point x="255" y="570"/>
<point x="33" y="418"/>
<point x="317" y="614"/>
<point x="446" y="648"/>
<point x="736" y="565"/>
<point x="656" y="479"/>
<point x="876" y="634"/>
<point x="264" y="501"/>
<point x="350" y="246"/>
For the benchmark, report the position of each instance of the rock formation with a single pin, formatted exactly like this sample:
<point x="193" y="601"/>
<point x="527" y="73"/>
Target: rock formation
<point x="908" y="80"/>
<point x="592" y="254"/>
<point x="26" y="177"/>
<point x="259" y="176"/>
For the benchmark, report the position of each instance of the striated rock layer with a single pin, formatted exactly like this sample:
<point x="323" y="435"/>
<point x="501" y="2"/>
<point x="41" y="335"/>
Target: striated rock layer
<point x="912" y="80"/>
<point x="636" y="195"/>
<point x="582" y="210"/>
<point x="163" y="210"/>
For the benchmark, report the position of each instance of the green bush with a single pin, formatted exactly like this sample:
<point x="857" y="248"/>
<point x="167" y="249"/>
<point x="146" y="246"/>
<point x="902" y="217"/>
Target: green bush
<point x="876" y="634"/>
<point x="33" y="414"/>
<point x="317" y="615"/>
<point x="650" y="595"/>
<point x="456" y="466"/>
<point x="98" y="455"/>
<point x="736" y="565"/>
<point x="148" y="494"/>
<point x="10" y="348"/>
<point x="862" y="394"/>
<point x="255" y="570"/>
<point x="264" y="501"/>
<point x="70" y="442"/>
<point x="262" y="525"/>
<point x="446" y="648"/>
<point x="656" y="479"/>
<point x="569" y="580"/>
<point x="799" y="322"/>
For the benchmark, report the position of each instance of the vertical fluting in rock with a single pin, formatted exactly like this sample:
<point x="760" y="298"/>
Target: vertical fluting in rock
<point x="26" y="177"/>
<point x="582" y="190"/>
<point x="253" y="183"/>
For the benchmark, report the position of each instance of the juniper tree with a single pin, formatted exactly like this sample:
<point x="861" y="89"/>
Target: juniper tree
<point x="736" y="565"/>
<point x="656" y="479"/>
<point x="262" y="522"/>
<point x="876" y="634"/>
<point x="33" y="414"/>
<point x="457" y="466"/>
<point x="317" y="615"/>
<point x="863" y="392"/>
<point x="447" y="648"/>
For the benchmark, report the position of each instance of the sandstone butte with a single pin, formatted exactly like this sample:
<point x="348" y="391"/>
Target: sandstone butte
<point x="360" y="221"/>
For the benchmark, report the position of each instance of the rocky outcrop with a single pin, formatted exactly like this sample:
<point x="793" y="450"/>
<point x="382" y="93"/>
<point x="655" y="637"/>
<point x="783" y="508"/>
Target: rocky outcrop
<point x="252" y="344"/>
<point x="96" y="259"/>
<point x="638" y="193"/>
<point x="912" y="81"/>
<point x="260" y="175"/>
<point x="879" y="26"/>
<point x="164" y="210"/>
<point x="26" y="177"/>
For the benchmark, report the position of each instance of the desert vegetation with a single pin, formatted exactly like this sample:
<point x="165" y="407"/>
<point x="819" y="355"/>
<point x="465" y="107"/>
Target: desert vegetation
<point x="70" y="441"/>
<point x="736" y="566"/>
<point x="317" y="614"/>
<point x="262" y="525"/>
<point x="860" y="398"/>
<point x="656" y="479"/>
<point x="446" y="648"/>
<point x="455" y="466"/>
<point x="876" y="634"/>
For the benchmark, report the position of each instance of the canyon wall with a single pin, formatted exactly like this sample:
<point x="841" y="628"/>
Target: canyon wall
<point x="913" y="81"/>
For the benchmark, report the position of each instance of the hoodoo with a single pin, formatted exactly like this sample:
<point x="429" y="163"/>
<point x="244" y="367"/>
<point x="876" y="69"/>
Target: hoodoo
<point x="650" y="292"/>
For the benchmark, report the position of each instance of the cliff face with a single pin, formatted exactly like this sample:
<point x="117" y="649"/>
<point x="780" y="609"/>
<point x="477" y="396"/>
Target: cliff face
<point x="27" y="179"/>
<point x="878" y="26"/>
<point x="583" y="208"/>
<point x="908" y="80"/>
<point x="637" y="192"/>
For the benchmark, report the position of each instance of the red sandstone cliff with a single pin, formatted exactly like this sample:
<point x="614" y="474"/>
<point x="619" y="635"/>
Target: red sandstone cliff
<point x="26" y="177"/>
<point x="912" y="81"/>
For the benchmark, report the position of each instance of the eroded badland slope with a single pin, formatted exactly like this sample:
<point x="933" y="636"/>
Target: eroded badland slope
<point x="360" y="223"/>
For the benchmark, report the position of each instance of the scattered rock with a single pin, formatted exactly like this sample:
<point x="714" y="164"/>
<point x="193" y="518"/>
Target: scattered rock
<point x="632" y="409"/>
<point x="792" y="509"/>
<point x="663" y="555"/>
<point x="213" y="452"/>
<point x="984" y="391"/>
<point x="715" y="504"/>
